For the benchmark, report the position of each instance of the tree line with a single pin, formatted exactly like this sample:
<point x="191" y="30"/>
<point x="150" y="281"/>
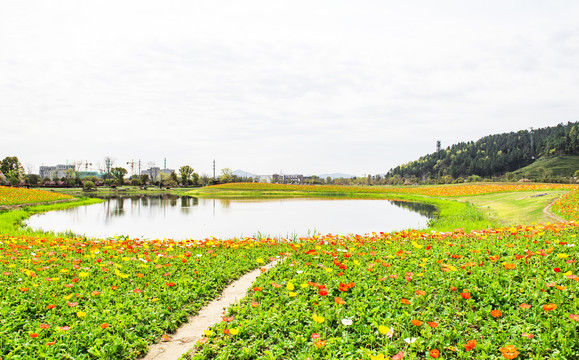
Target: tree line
<point x="491" y="156"/>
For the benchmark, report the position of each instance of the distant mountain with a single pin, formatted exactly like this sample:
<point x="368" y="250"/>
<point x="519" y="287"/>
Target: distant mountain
<point x="243" y="174"/>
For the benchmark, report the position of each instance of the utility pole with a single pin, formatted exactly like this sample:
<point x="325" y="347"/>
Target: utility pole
<point x="532" y="147"/>
<point x="213" y="169"/>
<point x="165" y="164"/>
<point x="139" y="167"/>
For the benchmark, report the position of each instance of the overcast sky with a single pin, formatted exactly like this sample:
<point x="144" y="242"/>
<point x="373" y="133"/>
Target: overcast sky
<point x="306" y="87"/>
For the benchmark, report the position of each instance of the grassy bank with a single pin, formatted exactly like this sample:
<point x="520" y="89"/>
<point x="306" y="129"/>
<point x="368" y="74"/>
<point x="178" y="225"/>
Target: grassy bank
<point x="11" y="221"/>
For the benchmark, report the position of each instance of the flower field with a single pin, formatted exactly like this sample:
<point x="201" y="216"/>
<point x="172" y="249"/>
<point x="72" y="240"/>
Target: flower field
<point x="16" y="196"/>
<point x="108" y="299"/>
<point x="443" y="191"/>
<point x="413" y="296"/>
<point x="486" y="294"/>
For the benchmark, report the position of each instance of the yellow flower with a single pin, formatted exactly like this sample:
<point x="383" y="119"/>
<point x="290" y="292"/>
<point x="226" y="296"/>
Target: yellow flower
<point x="234" y="331"/>
<point x="63" y="270"/>
<point x="328" y="269"/>
<point x="208" y="332"/>
<point x="318" y="319"/>
<point x="67" y="297"/>
<point x="290" y="286"/>
<point x="293" y="294"/>
<point x="118" y="273"/>
<point x="260" y="261"/>
<point x="304" y="285"/>
<point x="378" y="357"/>
<point x="383" y="329"/>
<point x="81" y="314"/>
<point x="83" y="274"/>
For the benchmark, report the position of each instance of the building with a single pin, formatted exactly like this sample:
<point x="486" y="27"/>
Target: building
<point x="288" y="179"/>
<point x="154" y="171"/>
<point x="53" y="172"/>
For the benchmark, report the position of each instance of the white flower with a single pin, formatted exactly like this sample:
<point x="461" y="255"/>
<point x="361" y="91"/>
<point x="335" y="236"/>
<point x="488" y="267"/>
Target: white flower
<point x="390" y="333"/>
<point x="410" y="340"/>
<point x="347" y="322"/>
<point x="300" y="271"/>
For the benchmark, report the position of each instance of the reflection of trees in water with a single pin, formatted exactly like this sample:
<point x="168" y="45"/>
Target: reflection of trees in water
<point x="115" y="205"/>
<point x="423" y="209"/>
<point x="225" y="203"/>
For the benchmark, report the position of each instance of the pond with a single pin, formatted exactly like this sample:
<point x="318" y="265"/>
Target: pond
<point x="183" y="217"/>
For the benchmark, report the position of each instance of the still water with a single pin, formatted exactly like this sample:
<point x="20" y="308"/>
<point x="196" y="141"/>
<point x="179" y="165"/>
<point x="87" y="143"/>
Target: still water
<point x="183" y="217"/>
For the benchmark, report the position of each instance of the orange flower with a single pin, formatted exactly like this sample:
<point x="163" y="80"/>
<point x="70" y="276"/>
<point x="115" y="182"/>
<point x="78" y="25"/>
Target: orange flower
<point x="525" y="306"/>
<point x="510" y="266"/>
<point x="320" y="343"/>
<point x="465" y="295"/>
<point x="433" y="324"/>
<point x="416" y="322"/>
<point x="509" y="352"/>
<point x="33" y="335"/>
<point x="23" y="289"/>
<point x="420" y="293"/>
<point x="51" y="306"/>
<point x="549" y="307"/>
<point x="254" y="304"/>
<point x="44" y="326"/>
<point x="470" y="345"/>
<point x="257" y="288"/>
<point x="434" y="353"/>
<point x="405" y="302"/>
<point x="496" y="313"/>
<point x="104" y="326"/>
<point x="339" y="301"/>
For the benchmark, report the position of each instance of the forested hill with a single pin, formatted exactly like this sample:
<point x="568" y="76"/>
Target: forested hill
<point x="493" y="155"/>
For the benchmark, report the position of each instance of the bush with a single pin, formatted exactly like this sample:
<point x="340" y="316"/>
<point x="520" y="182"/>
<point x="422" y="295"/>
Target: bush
<point x="88" y="186"/>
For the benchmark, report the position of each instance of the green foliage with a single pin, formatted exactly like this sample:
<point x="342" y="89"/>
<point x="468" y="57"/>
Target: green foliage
<point x="119" y="174"/>
<point x="494" y="155"/>
<point x="88" y="185"/>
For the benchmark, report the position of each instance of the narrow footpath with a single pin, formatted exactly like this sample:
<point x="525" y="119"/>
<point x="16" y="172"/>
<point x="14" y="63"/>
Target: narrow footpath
<point x="188" y="334"/>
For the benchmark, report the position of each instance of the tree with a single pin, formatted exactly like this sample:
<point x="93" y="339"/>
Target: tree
<point x="226" y="175"/>
<point x="32" y="179"/>
<point x="12" y="169"/>
<point x="119" y="174"/>
<point x="185" y="174"/>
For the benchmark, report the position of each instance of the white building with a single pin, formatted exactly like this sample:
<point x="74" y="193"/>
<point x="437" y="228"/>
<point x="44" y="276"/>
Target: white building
<point x="52" y="172"/>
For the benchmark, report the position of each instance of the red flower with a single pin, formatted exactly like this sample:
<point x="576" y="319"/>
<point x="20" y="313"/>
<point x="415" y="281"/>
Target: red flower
<point x="557" y="269"/>
<point x="170" y="284"/>
<point x="323" y="292"/>
<point x="44" y="326"/>
<point x="470" y="345"/>
<point x="433" y="324"/>
<point x="33" y="335"/>
<point x="453" y="288"/>
<point x="465" y="295"/>
<point x="496" y="313"/>
<point x="434" y="353"/>
<point x="137" y="291"/>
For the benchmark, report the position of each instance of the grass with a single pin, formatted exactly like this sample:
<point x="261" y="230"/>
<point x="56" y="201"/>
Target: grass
<point x="556" y="166"/>
<point x="11" y="222"/>
<point x="516" y="207"/>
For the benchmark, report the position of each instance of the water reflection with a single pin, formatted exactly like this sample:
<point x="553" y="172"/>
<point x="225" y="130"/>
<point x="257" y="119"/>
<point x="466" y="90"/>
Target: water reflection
<point x="423" y="209"/>
<point x="183" y="217"/>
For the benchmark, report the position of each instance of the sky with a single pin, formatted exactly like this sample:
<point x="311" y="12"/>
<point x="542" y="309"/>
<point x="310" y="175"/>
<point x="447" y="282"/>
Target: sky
<point x="308" y="87"/>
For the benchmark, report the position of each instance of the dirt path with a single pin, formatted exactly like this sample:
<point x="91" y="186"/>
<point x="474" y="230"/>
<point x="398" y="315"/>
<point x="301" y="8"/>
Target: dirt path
<point x="550" y="215"/>
<point x="188" y="334"/>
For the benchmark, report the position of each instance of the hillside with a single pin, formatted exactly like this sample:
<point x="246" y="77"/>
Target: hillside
<point x="494" y="155"/>
<point x="565" y="165"/>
